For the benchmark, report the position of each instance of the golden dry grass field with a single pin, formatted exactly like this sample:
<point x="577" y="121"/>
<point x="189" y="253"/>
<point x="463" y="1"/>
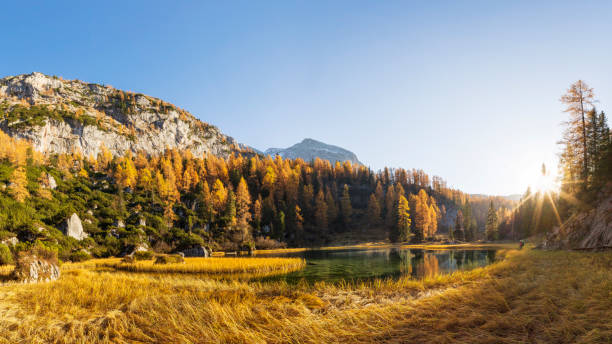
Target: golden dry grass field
<point x="214" y="266"/>
<point x="528" y="297"/>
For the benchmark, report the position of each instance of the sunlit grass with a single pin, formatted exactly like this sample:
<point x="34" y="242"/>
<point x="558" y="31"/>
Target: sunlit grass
<point x="530" y="296"/>
<point x="215" y="266"/>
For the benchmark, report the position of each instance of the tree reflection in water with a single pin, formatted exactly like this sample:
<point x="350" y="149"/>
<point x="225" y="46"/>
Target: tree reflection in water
<point x="429" y="266"/>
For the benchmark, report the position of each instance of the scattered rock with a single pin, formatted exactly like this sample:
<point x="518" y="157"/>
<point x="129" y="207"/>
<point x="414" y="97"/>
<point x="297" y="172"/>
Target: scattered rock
<point x="119" y="224"/>
<point x="90" y="212"/>
<point x="35" y="266"/>
<point x="142" y="222"/>
<point x="51" y="182"/>
<point x="12" y="241"/>
<point x="196" y="251"/>
<point x="130" y="250"/>
<point x="74" y="228"/>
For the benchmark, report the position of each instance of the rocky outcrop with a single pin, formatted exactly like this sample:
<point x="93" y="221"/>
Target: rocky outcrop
<point x="69" y="116"/>
<point x="590" y="229"/>
<point x="51" y="182"/>
<point x="12" y="241"/>
<point x="74" y="228"/>
<point x="32" y="267"/>
<point x="196" y="251"/>
<point x="130" y="250"/>
<point x="310" y="149"/>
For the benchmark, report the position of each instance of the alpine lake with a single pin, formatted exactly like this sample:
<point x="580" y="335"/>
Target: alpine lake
<point x="339" y="265"/>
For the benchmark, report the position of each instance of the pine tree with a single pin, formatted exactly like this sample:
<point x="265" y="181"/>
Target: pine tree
<point x="18" y="184"/>
<point x="492" y="223"/>
<point x="219" y="196"/>
<point x="459" y="229"/>
<point x="320" y="211"/>
<point x="403" y="219"/>
<point x="279" y="226"/>
<point x="579" y="98"/>
<point x="373" y="211"/>
<point x="390" y="206"/>
<point x="229" y="215"/>
<point x="345" y="206"/>
<point x="422" y="217"/>
<point x="205" y="209"/>
<point x="332" y="208"/>
<point x="243" y="214"/>
<point x="257" y="213"/>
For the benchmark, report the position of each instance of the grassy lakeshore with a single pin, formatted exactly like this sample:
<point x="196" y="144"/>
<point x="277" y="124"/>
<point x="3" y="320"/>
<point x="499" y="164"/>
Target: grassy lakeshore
<point x="529" y="296"/>
<point x="215" y="266"/>
<point x="383" y="245"/>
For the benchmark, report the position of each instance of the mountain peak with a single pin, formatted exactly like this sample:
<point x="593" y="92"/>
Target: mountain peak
<point x="309" y="149"/>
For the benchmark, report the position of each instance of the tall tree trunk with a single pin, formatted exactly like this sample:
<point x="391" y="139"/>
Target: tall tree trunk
<point x="584" y="137"/>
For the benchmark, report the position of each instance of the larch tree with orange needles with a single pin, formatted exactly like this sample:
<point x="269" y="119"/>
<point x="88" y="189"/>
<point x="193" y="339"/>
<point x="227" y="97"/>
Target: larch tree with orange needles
<point x="579" y="99"/>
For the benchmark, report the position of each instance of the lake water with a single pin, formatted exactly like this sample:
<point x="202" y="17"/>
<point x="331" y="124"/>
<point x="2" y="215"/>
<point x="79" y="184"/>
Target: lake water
<point x="364" y="264"/>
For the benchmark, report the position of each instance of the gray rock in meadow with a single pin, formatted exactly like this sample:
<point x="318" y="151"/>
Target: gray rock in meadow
<point x="119" y="224"/>
<point x="142" y="222"/>
<point x="74" y="228"/>
<point x="197" y="251"/>
<point x="33" y="269"/>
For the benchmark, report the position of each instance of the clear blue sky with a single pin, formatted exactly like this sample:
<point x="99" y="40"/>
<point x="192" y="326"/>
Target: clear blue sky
<point x="465" y="90"/>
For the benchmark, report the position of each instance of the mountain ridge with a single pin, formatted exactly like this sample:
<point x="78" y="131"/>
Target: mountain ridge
<point x="309" y="149"/>
<point x="63" y="116"/>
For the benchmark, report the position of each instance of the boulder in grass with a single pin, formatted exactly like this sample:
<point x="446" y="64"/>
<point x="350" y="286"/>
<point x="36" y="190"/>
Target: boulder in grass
<point x="36" y="265"/>
<point x="196" y="251"/>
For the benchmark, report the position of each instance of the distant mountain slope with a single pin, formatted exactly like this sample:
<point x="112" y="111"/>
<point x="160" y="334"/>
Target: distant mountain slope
<point x="310" y="149"/>
<point x="513" y="197"/>
<point x="62" y="116"/>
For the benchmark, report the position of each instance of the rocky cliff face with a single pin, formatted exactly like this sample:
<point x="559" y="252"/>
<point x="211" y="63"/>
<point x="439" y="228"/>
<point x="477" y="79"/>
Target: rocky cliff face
<point x="310" y="149"/>
<point x="61" y="116"/>
<point x="590" y="229"/>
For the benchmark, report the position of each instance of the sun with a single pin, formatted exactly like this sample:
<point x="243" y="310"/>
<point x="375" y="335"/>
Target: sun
<point x="545" y="183"/>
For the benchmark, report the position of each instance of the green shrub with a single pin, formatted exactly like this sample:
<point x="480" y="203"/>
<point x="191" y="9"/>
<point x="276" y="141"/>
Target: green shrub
<point x="143" y="255"/>
<point x="79" y="256"/>
<point x="6" y="257"/>
<point x="169" y="259"/>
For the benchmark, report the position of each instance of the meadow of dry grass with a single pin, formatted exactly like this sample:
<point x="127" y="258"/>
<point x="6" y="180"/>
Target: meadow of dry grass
<point x="530" y="296"/>
<point x="214" y="266"/>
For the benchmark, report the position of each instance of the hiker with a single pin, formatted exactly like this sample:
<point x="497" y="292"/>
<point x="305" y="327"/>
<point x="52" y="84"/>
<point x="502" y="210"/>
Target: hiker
<point x="521" y="244"/>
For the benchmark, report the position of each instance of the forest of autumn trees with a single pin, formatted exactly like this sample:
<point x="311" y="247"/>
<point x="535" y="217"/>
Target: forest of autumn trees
<point x="226" y="203"/>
